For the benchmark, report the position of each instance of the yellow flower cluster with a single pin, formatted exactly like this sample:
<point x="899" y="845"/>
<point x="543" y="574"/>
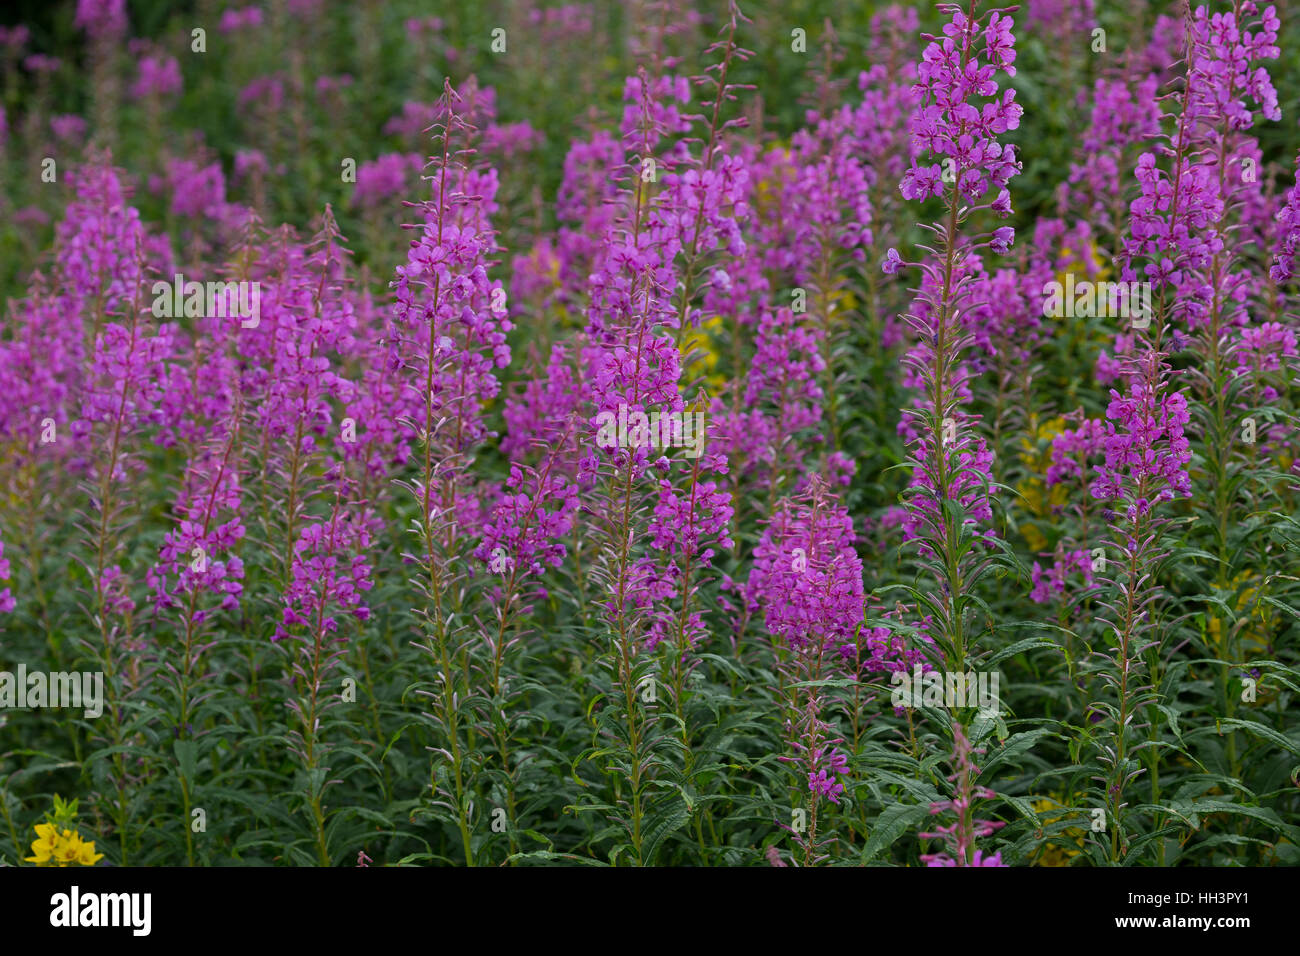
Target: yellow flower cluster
<point x="1254" y="639"/>
<point x="1079" y="263"/>
<point x="1063" y="847"/>
<point x="703" y="348"/>
<point x="1036" y="455"/>
<point x="53" y="847"/>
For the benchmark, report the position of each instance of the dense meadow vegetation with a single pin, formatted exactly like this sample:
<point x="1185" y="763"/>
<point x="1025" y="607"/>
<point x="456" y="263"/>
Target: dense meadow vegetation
<point x="655" y="433"/>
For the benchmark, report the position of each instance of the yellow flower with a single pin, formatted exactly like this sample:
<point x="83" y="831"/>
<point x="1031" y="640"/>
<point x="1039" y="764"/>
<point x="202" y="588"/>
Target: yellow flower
<point x="704" y="350"/>
<point x="1253" y="638"/>
<point x="1036" y="454"/>
<point x="43" y="845"/>
<point x="1055" y="854"/>
<point x="87" y="856"/>
<point x="1031" y="454"/>
<point x="769" y="192"/>
<point x="841" y="304"/>
<point x="68" y="849"/>
<point x="1033" y="537"/>
<point x="1078" y="263"/>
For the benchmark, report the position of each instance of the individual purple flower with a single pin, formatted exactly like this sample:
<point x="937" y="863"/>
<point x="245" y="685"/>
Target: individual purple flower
<point x="922" y="182"/>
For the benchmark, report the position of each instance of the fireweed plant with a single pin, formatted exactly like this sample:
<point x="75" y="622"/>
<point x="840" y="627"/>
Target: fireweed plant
<point x="960" y="115"/>
<point x="861" y="441"/>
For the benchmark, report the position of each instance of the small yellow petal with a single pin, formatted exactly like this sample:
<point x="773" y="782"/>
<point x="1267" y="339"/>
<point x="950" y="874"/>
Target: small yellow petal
<point x="68" y="850"/>
<point x="87" y="855"/>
